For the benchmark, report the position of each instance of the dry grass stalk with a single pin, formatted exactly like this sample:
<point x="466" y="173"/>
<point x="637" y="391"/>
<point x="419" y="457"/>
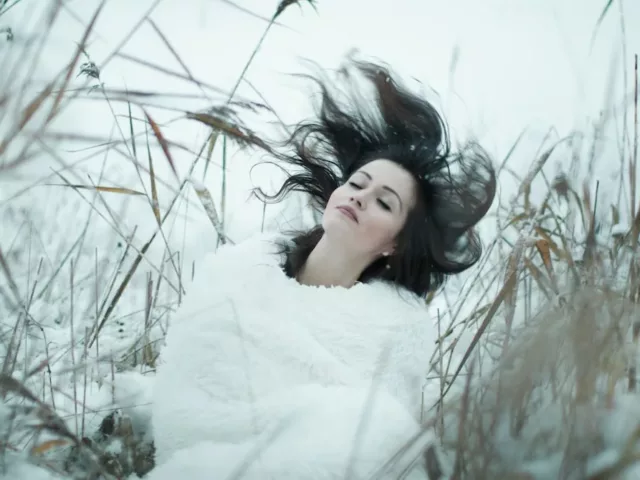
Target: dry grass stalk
<point x="545" y="405"/>
<point x="31" y="127"/>
<point x="559" y="342"/>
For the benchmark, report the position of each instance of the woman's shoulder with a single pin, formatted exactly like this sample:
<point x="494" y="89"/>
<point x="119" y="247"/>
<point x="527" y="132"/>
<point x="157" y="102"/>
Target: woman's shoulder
<point x="232" y="272"/>
<point x="234" y="264"/>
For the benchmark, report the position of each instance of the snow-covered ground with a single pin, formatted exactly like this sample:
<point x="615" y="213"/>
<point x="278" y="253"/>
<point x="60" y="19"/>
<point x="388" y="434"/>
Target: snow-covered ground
<point x="497" y="68"/>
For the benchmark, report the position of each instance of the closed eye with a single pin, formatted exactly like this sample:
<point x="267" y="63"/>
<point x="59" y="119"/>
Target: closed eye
<point x="384" y="205"/>
<point x="381" y="202"/>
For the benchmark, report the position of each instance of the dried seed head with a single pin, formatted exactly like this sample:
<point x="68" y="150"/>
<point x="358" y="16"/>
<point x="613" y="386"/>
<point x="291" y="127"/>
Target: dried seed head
<point x="561" y="185"/>
<point x="284" y="4"/>
<point x="90" y="69"/>
<point x="8" y="32"/>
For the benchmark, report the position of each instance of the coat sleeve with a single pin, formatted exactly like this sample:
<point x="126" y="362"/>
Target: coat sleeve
<point x="408" y="361"/>
<point x="221" y="274"/>
<point x="200" y="366"/>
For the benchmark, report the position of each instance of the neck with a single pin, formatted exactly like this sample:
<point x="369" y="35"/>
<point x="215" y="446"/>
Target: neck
<point x="331" y="265"/>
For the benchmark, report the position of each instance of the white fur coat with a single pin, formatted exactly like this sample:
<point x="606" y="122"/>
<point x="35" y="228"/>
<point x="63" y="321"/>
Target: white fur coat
<point x="263" y="375"/>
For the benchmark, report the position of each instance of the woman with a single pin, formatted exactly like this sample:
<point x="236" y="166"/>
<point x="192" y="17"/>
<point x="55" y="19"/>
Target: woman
<point x="304" y="356"/>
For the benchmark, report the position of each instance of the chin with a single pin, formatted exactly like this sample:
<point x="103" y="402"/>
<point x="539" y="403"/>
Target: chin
<point x="335" y="221"/>
<point x="338" y="229"/>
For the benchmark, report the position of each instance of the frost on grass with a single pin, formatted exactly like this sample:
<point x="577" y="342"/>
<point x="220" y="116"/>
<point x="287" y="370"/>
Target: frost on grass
<point x="115" y="445"/>
<point x="561" y="402"/>
<point x="99" y="393"/>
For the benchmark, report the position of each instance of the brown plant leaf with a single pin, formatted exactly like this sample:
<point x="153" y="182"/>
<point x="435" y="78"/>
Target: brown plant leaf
<point x="232" y="131"/>
<point x="537" y="167"/>
<point x="162" y="141"/>
<point x="538" y="276"/>
<point x="48" y="445"/>
<point x="28" y="112"/>
<point x="545" y="253"/>
<point x="207" y="202"/>
<point x="553" y="246"/>
<point x="99" y="188"/>
<point x="155" y="205"/>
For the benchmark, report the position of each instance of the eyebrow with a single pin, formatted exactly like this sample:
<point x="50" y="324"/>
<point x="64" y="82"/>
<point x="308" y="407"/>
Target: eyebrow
<point x="385" y="187"/>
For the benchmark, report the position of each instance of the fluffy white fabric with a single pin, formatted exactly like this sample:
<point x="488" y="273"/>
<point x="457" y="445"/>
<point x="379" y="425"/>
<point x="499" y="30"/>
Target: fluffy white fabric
<point x="306" y="382"/>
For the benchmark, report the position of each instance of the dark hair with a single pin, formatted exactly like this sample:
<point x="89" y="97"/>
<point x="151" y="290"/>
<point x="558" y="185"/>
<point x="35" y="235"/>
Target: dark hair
<point x="438" y="238"/>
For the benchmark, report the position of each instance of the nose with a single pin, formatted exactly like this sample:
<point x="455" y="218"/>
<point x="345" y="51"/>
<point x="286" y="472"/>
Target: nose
<point x="359" y="201"/>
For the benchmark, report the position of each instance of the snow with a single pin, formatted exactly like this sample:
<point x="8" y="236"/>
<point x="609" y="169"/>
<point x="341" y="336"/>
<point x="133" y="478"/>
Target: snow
<point x="23" y="470"/>
<point x="620" y="425"/>
<point x="619" y="229"/>
<point x="134" y="395"/>
<point x="57" y="225"/>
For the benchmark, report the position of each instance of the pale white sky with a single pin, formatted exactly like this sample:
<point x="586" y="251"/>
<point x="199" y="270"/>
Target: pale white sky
<point x="518" y="63"/>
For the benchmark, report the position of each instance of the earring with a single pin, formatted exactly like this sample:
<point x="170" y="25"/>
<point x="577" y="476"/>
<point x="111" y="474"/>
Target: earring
<point x="387" y="266"/>
<point x="385" y="254"/>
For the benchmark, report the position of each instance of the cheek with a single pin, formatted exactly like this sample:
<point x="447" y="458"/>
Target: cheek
<point x="336" y="197"/>
<point x="382" y="227"/>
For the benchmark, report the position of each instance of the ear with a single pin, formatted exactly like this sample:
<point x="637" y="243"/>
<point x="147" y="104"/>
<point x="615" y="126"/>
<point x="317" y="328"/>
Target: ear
<point x="389" y="250"/>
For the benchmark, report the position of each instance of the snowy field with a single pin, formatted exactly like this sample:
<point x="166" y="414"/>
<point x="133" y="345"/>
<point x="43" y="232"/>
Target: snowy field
<point x="113" y="188"/>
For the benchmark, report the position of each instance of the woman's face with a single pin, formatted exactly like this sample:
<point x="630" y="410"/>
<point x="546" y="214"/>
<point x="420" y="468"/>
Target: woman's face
<point x="368" y="212"/>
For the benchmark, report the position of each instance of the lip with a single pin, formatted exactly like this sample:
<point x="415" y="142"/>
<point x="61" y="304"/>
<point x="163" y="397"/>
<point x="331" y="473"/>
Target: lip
<point x="349" y="212"/>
